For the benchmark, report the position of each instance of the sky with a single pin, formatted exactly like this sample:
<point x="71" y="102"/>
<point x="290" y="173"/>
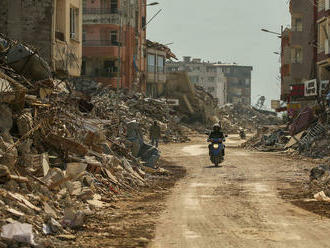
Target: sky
<point x="227" y="31"/>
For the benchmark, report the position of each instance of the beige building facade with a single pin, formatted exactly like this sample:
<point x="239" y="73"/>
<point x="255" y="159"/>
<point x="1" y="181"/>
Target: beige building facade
<point x="53" y="27"/>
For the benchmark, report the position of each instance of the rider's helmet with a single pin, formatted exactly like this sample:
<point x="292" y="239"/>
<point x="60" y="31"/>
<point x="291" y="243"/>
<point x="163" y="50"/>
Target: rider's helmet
<point x="216" y="128"/>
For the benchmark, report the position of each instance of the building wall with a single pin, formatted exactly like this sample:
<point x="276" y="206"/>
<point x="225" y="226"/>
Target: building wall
<point x="127" y="21"/>
<point x="68" y="51"/>
<point x="28" y="21"/>
<point x="323" y="56"/>
<point x="35" y="23"/>
<point x="238" y="82"/>
<point x="305" y="69"/>
<point x="155" y="79"/>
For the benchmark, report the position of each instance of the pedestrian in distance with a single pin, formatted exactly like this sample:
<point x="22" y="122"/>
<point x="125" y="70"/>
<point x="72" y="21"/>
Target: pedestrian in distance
<point x="155" y="134"/>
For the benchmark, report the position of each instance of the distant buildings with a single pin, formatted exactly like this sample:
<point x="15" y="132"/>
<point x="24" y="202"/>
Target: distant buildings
<point x="229" y="83"/>
<point x="53" y="27"/>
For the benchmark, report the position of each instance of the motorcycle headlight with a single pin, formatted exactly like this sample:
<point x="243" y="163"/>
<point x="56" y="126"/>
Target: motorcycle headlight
<point x="215" y="146"/>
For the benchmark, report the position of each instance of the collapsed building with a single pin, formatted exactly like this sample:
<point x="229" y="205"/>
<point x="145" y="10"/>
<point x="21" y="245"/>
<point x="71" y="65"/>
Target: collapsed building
<point x="65" y="143"/>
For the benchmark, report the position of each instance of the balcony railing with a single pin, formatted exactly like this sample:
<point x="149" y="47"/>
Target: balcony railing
<point x="106" y="73"/>
<point x="101" y="43"/>
<point x="100" y="11"/>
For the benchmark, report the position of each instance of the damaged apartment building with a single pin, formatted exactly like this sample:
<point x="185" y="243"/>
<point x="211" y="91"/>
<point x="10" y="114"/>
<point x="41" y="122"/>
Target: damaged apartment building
<point x="229" y="83"/>
<point x="52" y="27"/>
<point x="114" y="42"/>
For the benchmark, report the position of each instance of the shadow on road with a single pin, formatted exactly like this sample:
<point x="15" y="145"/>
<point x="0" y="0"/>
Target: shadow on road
<point x="212" y="167"/>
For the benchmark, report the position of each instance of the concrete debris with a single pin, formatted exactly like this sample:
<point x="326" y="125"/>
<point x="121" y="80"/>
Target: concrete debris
<point x="321" y="197"/>
<point x="234" y="117"/>
<point x="21" y="232"/>
<point x="70" y="146"/>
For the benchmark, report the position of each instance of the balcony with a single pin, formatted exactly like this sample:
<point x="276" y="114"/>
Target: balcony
<point x="101" y="48"/>
<point x="100" y="11"/>
<point x="101" y="16"/>
<point x="323" y="52"/>
<point x="100" y="43"/>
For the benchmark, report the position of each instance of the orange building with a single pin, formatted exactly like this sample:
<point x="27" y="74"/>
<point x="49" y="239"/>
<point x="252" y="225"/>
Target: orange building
<point x="114" y="38"/>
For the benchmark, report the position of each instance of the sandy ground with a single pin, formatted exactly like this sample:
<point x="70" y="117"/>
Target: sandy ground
<point x="238" y="205"/>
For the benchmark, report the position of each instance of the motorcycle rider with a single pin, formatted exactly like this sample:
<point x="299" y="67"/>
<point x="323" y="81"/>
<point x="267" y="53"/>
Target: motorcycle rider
<point x="217" y="133"/>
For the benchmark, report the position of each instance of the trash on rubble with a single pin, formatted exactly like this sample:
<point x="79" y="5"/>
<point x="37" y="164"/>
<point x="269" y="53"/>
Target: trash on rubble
<point x="20" y="232"/>
<point x="73" y="218"/>
<point x="321" y="197"/>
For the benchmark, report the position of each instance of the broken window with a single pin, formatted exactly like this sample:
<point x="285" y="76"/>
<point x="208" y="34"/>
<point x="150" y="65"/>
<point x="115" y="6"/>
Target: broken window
<point x="74" y="23"/>
<point x="297" y="55"/>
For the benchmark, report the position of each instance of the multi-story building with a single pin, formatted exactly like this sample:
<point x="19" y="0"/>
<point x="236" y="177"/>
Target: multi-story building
<point x="298" y="50"/>
<point x="238" y="81"/>
<point x="229" y="83"/>
<point x="114" y="42"/>
<point x="203" y="74"/>
<point x="53" y="27"/>
<point x="156" y="77"/>
<point x="323" y="52"/>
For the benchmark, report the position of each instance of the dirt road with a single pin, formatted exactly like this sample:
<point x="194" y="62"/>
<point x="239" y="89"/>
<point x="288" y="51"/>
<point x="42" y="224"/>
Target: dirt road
<point x="238" y="205"/>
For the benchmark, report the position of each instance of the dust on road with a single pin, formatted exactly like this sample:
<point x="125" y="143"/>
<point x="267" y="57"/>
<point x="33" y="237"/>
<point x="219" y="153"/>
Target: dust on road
<point x="238" y="205"/>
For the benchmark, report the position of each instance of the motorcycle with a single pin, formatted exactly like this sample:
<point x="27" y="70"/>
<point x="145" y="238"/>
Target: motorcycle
<point x="216" y="151"/>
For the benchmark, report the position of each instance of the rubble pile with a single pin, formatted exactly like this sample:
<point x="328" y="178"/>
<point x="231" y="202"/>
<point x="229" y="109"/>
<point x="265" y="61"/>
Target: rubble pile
<point x="304" y="136"/>
<point x="122" y="108"/>
<point x="236" y="116"/>
<point x="65" y="153"/>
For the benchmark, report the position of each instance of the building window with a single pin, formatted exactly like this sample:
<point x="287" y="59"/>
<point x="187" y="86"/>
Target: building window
<point x="194" y="79"/>
<point x="113" y="38"/>
<point x="160" y="63"/>
<point x="297" y="24"/>
<point x="211" y="79"/>
<point x="114" y="6"/>
<point x="151" y="63"/>
<point x="210" y="89"/>
<point x="297" y="55"/>
<point x="323" y="37"/>
<point x="74" y="23"/>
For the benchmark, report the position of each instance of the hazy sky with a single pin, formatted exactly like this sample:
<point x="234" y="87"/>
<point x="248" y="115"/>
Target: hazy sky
<point x="226" y="31"/>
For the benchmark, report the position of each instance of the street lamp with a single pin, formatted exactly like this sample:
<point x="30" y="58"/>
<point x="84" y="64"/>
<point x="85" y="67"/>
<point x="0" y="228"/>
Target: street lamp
<point x="272" y="32"/>
<point x="152" y="4"/>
